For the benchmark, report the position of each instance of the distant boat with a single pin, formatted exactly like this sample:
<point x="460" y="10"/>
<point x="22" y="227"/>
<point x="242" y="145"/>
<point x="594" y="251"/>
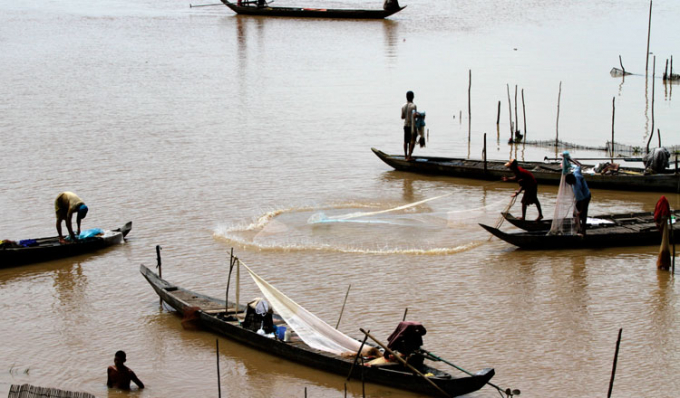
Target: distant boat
<point x="30" y="251"/>
<point x="263" y="8"/>
<point x="626" y="179"/>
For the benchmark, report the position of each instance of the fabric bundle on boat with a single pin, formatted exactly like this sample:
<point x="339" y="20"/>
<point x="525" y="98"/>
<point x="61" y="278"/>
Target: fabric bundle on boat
<point x="312" y="330"/>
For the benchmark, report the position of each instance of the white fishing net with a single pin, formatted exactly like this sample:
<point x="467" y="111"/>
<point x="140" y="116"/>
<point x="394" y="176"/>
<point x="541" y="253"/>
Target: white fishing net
<point x="312" y="330"/>
<point x="563" y="222"/>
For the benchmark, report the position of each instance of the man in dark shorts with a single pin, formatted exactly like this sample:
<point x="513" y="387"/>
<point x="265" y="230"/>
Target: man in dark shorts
<point x="528" y="184"/>
<point x="582" y="197"/>
<point x="408" y="111"/>
<point x="119" y="375"/>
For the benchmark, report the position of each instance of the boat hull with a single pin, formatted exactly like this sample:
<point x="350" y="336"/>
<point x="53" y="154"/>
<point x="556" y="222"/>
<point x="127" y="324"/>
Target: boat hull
<point x="48" y="249"/>
<point x="299" y="12"/>
<point x="493" y="170"/>
<point x="296" y="350"/>
<point x="634" y="235"/>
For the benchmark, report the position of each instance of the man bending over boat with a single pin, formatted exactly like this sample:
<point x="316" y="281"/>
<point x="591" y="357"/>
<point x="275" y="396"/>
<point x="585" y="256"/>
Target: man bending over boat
<point x="527" y="183"/>
<point x="119" y="375"/>
<point x="65" y="205"/>
<point x="408" y="112"/>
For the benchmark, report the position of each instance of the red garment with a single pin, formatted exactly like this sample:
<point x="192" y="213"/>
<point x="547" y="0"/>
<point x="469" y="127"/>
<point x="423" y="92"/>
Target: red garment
<point x="662" y="209"/>
<point x="406" y="337"/>
<point x="525" y="179"/>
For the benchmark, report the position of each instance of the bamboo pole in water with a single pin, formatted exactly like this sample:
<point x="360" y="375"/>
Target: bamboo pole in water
<point x="217" y="351"/>
<point x="616" y="356"/>
<point x="510" y="113"/>
<point x="651" y="133"/>
<point x="649" y="32"/>
<point x="557" y="124"/>
<point x="498" y="115"/>
<point x="516" y="118"/>
<point x="469" y="104"/>
<point x="613" y="112"/>
<point x="524" y="112"/>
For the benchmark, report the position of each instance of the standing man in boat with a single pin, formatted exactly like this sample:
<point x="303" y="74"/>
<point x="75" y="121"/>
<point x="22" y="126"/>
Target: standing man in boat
<point x="582" y="197"/>
<point x="119" y="376"/>
<point x="65" y="205"/>
<point x="408" y="112"/>
<point x="527" y="183"/>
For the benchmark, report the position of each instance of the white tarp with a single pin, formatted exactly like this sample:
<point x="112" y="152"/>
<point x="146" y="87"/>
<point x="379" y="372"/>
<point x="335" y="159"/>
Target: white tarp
<point x="312" y="330"/>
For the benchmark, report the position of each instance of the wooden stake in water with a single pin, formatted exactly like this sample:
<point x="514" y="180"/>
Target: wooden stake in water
<point x="613" y="112"/>
<point x="405" y="312"/>
<point x="524" y="112"/>
<point x="217" y="350"/>
<point x="498" y="115"/>
<point x="651" y="132"/>
<point x="616" y="357"/>
<point x="343" y="306"/>
<point x="557" y="123"/>
<point x="512" y="134"/>
<point x="649" y="33"/>
<point x="159" y="266"/>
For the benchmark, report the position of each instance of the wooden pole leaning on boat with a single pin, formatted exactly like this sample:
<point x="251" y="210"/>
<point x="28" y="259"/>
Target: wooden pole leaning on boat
<point x="434" y="357"/>
<point x="343" y="306"/>
<point x="403" y="362"/>
<point x="361" y="347"/>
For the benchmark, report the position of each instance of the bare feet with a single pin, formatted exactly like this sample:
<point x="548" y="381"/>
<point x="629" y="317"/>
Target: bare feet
<point x="520" y="218"/>
<point x="539" y="218"/>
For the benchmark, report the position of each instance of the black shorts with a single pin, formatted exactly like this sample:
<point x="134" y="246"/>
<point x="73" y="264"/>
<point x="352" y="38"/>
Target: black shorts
<point x="408" y="136"/>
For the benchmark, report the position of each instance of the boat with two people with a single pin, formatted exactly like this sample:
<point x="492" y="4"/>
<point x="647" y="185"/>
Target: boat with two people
<point x="264" y="8"/>
<point x="29" y="251"/>
<point x="277" y="325"/>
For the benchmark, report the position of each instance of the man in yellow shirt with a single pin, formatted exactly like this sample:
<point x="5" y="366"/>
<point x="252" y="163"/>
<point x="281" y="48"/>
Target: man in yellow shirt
<point x="65" y="205"/>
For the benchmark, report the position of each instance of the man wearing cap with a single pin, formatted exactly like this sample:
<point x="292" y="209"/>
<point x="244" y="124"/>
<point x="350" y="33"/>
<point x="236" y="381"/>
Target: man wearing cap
<point x="65" y="205"/>
<point x="528" y="184"/>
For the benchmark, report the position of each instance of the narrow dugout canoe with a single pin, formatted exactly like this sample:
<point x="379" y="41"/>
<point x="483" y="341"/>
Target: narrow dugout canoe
<point x="212" y="316"/>
<point x="250" y="8"/>
<point x="636" y="234"/>
<point x="627" y="179"/>
<point x="594" y="222"/>
<point x="48" y="249"/>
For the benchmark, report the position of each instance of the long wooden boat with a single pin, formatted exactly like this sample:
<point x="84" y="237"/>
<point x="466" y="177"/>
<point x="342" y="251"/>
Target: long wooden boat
<point x="597" y="222"/>
<point x="627" y="179"/>
<point x="47" y="249"/>
<point x="634" y="234"/>
<point x="211" y="315"/>
<point x="264" y="9"/>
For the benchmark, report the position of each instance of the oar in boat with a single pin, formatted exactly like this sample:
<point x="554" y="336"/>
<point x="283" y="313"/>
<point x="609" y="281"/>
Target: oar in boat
<point x="361" y="347"/>
<point x="403" y="362"/>
<point x="343" y="306"/>
<point x="433" y="357"/>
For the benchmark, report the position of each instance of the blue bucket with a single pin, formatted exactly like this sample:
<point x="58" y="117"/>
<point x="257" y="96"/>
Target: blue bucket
<point x="280" y="332"/>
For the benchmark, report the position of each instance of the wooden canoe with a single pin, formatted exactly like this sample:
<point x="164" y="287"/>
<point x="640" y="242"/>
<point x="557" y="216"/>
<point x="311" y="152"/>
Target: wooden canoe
<point x="628" y="179"/>
<point x="637" y="234"/>
<point x="601" y="221"/>
<point x="48" y="249"/>
<point x="250" y="8"/>
<point x="211" y="316"/>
